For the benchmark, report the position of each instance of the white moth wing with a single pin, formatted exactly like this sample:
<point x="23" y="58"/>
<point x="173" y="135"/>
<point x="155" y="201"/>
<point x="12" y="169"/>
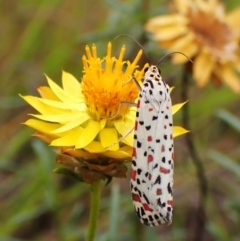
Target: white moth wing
<point x="145" y="183"/>
<point x="162" y="180"/>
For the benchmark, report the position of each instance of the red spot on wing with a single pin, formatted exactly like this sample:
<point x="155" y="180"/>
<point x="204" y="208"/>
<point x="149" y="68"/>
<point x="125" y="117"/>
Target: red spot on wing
<point x="136" y="126"/>
<point x="165" y="126"/>
<point x="164" y="170"/>
<point x="150" y="109"/>
<point x="159" y="191"/>
<point x="173" y="156"/>
<point x="136" y="198"/>
<point x="149" y="138"/>
<point x="134" y="174"/>
<point x="134" y="152"/>
<point x="149" y="177"/>
<point x="170" y="202"/>
<point x="171" y="136"/>
<point x="146" y="207"/>
<point x="150" y="158"/>
<point x="138" y="104"/>
<point x="163" y="148"/>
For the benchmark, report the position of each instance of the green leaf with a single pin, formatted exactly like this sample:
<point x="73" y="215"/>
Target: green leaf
<point x="225" y="161"/>
<point x="229" y="118"/>
<point x="218" y="232"/>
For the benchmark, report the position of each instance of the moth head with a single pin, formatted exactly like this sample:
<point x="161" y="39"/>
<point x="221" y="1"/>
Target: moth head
<point x="152" y="73"/>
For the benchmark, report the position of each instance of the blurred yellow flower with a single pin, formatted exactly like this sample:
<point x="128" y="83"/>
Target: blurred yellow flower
<point x="78" y="118"/>
<point x="202" y="30"/>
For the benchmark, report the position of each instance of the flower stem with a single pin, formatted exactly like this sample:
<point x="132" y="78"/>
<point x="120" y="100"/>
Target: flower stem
<point x="94" y="209"/>
<point x="200" y="217"/>
<point x="190" y="142"/>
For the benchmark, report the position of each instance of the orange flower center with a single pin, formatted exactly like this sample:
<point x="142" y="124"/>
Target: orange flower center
<point x="106" y="87"/>
<point x="213" y="33"/>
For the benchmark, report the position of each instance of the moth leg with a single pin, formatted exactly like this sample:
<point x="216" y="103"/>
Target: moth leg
<point x="135" y="81"/>
<point x="129" y="131"/>
<point x="120" y="139"/>
<point x="132" y="104"/>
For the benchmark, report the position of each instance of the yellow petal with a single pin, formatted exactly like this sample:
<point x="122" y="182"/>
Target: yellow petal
<point x="178" y="131"/>
<point x="41" y="125"/>
<point x="177" y="107"/>
<point x="182" y="42"/>
<point x="122" y="153"/>
<point x="169" y="32"/>
<point x="124" y="127"/>
<point x="108" y="137"/>
<point x="206" y="6"/>
<point x="131" y="115"/>
<point x="81" y="106"/>
<point x="217" y="7"/>
<point x="182" y="6"/>
<point x="202" y="68"/>
<point x="237" y="64"/>
<point x="42" y="107"/>
<point x="228" y="76"/>
<point x="88" y="134"/>
<point x="189" y="51"/>
<point x="70" y="125"/>
<point x="63" y="118"/>
<point x="233" y="18"/>
<point x="103" y="123"/>
<point x="95" y="147"/>
<point x="46" y="93"/>
<point x="166" y="44"/>
<point x="171" y="89"/>
<point x="60" y="93"/>
<point x="71" y="85"/>
<point x="154" y="23"/>
<point x="69" y="139"/>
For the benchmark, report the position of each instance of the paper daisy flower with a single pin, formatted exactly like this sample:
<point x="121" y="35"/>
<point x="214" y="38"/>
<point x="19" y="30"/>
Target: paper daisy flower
<point x="86" y="120"/>
<point x="204" y="32"/>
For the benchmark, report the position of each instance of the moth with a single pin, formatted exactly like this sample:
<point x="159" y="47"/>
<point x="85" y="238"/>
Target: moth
<point x="153" y="149"/>
<point x="153" y="152"/>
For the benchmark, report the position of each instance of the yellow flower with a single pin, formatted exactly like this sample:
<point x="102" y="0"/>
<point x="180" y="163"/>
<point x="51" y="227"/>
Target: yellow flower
<point x="85" y="119"/>
<point x="202" y="30"/>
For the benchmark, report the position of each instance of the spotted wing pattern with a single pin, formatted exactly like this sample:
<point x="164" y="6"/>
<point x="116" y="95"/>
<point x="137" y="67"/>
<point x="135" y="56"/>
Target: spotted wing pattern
<point x="153" y="153"/>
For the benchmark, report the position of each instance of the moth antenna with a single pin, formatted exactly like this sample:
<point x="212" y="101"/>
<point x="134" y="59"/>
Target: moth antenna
<point x="171" y="54"/>
<point x="136" y="43"/>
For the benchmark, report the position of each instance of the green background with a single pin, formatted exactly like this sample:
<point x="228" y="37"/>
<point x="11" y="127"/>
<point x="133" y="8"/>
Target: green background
<point x="46" y="36"/>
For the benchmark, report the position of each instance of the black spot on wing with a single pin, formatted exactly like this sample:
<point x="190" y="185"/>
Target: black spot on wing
<point x="151" y="84"/>
<point x="158" y="180"/>
<point x="139" y="144"/>
<point x="146" y="199"/>
<point x="155" y="166"/>
<point x="169" y="188"/>
<point x="148" y="128"/>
